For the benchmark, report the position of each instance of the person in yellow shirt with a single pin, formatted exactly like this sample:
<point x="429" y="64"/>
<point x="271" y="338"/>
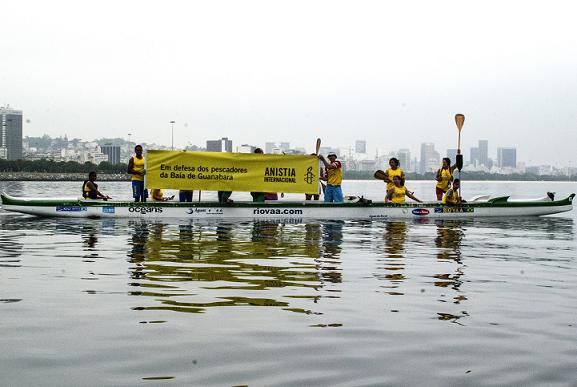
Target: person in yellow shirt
<point x="136" y="169"/>
<point x="334" y="176"/>
<point x="444" y="178"/>
<point x="452" y="195"/>
<point x="394" y="170"/>
<point x="398" y="192"/>
<point x="158" y="195"/>
<point x="90" y="188"/>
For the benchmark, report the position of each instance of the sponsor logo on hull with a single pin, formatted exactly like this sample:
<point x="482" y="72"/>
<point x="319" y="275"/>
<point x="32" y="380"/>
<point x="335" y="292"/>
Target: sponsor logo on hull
<point x="205" y="211"/>
<point x="70" y="208"/>
<point x="144" y="210"/>
<point x="277" y="211"/>
<point x="453" y="210"/>
<point x="420" y="211"/>
<point x="108" y="210"/>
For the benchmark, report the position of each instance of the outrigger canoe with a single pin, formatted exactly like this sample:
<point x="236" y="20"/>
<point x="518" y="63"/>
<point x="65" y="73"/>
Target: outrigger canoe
<point x="352" y="209"/>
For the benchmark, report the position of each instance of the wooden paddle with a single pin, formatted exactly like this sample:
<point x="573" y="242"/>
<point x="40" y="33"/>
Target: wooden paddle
<point x="380" y="175"/>
<point x="317" y="150"/>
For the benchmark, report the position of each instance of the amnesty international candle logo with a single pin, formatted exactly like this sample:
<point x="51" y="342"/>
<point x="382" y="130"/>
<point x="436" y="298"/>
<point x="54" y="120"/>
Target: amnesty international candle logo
<point x="310" y="177"/>
<point x="221" y="171"/>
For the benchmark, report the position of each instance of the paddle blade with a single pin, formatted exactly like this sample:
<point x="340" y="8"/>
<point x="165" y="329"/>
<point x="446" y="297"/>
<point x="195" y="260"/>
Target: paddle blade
<point x="318" y="146"/>
<point x="459" y="120"/>
<point x="380" y="175"/>
<point x="459" y="162"/>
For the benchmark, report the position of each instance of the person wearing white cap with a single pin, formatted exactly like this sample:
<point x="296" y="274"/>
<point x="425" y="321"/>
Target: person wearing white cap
<point x="333" y="192"/>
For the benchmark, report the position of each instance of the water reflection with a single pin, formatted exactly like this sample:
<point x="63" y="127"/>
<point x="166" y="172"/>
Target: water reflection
<point x="450" y="234"/>
<point x="393" y="264"/>
<point x="196" y="266"/>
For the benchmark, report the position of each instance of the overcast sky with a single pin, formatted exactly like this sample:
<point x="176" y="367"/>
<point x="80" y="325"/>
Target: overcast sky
<point x="393" y="73"/>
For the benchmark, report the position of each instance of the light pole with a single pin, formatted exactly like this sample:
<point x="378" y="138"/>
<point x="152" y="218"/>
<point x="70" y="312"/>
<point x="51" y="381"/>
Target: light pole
<point x="172" y="134"/>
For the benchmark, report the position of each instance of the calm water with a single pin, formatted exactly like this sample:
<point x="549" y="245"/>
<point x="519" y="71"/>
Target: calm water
<point x="355" y="303"/>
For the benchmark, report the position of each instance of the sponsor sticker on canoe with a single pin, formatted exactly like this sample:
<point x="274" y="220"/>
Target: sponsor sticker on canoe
<point x="453" y="210"/>
<point x="108" y="210"/>
<point x="72" y="208"/>
<point x="420" y="211"/>
<point x="205" y="211"/>
<point x="145" y="209"/>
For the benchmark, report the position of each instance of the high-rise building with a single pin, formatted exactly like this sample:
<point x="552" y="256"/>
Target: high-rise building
<point x="269" y="146"/>
<point x="507" y="157"/>
<point x="429" y="158"/>
<point x="222" y="145"/>
<point x="113" y="153"/>
<point x="452" y="154"/>
<point x="361" y="146"/>
<point x="474" y="159"/>
<point x="285" y="146"/>
<point x="10" y="133"/>
<point x="404" y="156"/>
<point x="484" y="152"/>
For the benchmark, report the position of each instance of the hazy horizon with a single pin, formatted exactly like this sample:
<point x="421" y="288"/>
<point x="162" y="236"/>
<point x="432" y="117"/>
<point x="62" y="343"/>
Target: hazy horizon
<point x="393" y="74"/>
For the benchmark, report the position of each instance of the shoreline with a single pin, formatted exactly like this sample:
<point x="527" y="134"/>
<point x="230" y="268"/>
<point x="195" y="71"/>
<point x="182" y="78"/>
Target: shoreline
<point x="122" y="177"/>
<point x="48" y="176"/>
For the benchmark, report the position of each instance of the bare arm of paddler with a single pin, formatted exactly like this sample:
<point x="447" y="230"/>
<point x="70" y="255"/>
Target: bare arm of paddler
<point x="410" y="195"/>
<point x="328" y="164"/>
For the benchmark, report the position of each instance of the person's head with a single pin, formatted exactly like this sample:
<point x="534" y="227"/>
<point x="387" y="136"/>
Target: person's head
<point x="394" y="162"/>
<point x="446" y="162"/>
<point x="258" y="150"/>
<point x="397" y="181"/>
<point x="332" y="156"/>
<point x="92" y="176"/>
<point x="456" y="183"/>
<point x="138" y="150"/>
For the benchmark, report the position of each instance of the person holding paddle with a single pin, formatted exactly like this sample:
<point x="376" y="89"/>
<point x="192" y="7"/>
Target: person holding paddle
<point x="394" y="170"/>
<point x="398" y="192"/>
<point x="334" y="174"/>
<point x="90" y="188"/>
<point x="444" y="178"/>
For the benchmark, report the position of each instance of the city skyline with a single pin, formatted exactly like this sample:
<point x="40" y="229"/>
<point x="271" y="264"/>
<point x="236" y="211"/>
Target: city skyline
<point x="393" y="73"/>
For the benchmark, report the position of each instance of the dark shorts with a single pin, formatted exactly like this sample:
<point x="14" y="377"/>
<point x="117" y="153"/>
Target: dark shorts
<point x="439" y="193"/>
<point x="138" y="190"/>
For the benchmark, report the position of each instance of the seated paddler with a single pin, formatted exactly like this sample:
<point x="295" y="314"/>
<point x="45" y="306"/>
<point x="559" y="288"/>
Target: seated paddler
<point x="90" y="189"/>
<point x="452" y="195"/>
<point x="397" y="193"/>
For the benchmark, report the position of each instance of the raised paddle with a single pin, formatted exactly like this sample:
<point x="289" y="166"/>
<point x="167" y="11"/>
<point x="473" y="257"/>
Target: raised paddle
<point x="317" y="150"/>
<point x="459" y="120"/>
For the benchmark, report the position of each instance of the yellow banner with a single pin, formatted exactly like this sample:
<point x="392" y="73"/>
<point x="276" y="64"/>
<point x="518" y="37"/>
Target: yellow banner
<point x="220" y="171"/>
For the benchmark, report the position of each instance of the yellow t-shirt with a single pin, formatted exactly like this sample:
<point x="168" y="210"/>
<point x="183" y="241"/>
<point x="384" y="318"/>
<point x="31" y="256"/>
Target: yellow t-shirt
<point x="398" y="194"/>
<point x="138" y="166"/>
<point x="451" y="196"/>
<point x="446" y="178"/>
<point x="335" y="175"/>
<point x="392" y="173"/>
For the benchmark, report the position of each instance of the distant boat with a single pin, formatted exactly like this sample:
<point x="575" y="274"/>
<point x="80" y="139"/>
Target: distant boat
<point x="354" y="208"/>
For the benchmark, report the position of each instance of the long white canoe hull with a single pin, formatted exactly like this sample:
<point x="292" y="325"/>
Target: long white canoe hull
<point x="76" y="208"/>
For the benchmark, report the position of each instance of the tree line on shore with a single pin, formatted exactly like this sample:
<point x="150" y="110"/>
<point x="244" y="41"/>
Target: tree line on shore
<point x="51" y="166"/>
